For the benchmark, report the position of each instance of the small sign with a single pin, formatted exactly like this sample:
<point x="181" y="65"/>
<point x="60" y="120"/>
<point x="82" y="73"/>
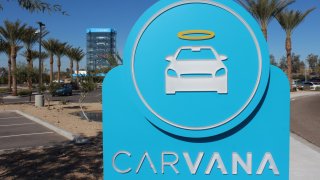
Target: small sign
<point x="196" y="98"/>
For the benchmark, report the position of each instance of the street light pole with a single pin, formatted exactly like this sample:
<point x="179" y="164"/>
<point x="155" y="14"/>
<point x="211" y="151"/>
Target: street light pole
<point x="40" y="58"/>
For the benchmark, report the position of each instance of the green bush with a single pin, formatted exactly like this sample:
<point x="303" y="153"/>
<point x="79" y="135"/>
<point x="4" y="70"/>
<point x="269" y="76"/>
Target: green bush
<point x="24" y="93"/>
<point x="53" y="87"/>
<point x="4" y="90"/>
<point x="317" y="88"/>
<point x="43" y="88"/>
<point x="87" y="85"/>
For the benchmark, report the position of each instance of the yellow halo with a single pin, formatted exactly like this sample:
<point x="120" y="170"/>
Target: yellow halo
<point x="186" y="35"/>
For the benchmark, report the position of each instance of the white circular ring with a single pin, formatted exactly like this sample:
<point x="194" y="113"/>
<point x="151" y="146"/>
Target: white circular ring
<point x="191" y="2"/>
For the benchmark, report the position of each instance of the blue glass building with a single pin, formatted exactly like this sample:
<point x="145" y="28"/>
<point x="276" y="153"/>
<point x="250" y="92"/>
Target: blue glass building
<point x="100" y="43"/>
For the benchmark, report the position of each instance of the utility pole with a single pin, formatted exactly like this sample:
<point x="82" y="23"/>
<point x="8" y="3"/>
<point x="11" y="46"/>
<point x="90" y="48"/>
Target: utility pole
<point x="40" y="58"/>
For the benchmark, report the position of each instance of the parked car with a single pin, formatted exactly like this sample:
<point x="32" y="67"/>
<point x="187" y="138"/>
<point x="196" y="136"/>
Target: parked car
<point x="196" y="74"/>
<point x="297" y="85"/>
<point x="65" y="90"/>
<point x="74" y="85"/>
<point x="312" y="86"/>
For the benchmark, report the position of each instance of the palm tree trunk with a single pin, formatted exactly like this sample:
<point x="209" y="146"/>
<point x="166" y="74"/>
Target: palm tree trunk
<point x="289" y="64"/>
<point x="42" y="66"/>
<point x="30" y="67"/>
<point x="265" y="31"/>
<point x="77" y="72"/>
<point x="59" y="65"/>
<point x="13" y="70"/>
<point x="71" y="68"/>
<point x="51" y="68"/>
<point x="9" y="75"/>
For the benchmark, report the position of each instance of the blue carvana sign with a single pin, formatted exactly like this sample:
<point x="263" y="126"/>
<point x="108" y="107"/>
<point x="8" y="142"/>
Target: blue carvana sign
<point x="196" y="98"/>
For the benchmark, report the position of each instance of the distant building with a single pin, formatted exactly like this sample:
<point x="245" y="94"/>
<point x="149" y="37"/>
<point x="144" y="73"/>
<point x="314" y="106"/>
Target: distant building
<point x="100" y="43"/>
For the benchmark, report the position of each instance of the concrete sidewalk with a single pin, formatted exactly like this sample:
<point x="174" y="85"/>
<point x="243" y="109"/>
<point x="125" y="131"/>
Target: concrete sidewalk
<point x="304" y="156"/>
<point x="304" y="159"/>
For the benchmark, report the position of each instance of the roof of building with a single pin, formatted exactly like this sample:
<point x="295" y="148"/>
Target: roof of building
<point x="100" y="30"/>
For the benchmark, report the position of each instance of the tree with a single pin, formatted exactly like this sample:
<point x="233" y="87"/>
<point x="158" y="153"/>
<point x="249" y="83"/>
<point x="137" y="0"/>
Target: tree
<point x="3" y="46"/>
<point x="51" y="45"/>
<point x="12" y="33"/>
<point x="71" y="53"/>
<point x="44" y="56"/>
<point x="265" y="10"/>
<point x="7" y="51"/>
<point x="30" y="54"/>
<point x="289" y="21"/>
<point x="78" y="56"/>
<point x="313" y="62"/>
<point x="302" y="68"/>
<point x="283" y="64"/>
<point x="29" y="39"/>
<point x="296" y="62"/>
<point x="39" y="6"/>
<point x="273" y="60"/>
<point x="59" y="52"/>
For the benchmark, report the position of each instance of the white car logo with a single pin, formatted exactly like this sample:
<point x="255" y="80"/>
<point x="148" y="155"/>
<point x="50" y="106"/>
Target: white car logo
<point x="196" y="75"/>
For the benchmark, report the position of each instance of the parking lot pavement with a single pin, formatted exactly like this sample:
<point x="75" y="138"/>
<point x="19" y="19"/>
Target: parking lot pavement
<point x="17" y="131"/>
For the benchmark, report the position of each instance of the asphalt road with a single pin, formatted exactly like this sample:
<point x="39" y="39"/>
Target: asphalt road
<point x="305" y="118"/>
<point x="92" y="97"/>
<point x="16" y="131"/>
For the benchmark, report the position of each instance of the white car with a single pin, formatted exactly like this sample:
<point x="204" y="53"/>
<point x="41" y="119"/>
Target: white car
<point x="196" y="75"/>
<point x="313" y="85"/>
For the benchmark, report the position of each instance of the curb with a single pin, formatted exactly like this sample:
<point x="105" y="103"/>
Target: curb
<point x="11" y="97"/>
<point x="303" y="94"/>
<point x="305" y="142"/>
<point x="58" y="130"/>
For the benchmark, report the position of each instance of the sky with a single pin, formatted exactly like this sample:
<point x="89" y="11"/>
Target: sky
<point x="122" y="14"/>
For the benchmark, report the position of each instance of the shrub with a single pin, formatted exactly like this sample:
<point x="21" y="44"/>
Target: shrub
<point x="43" y="88"/>
<point x="87" y="86"/>
<point x="24" y="93"/>
<point x="53" y="87"/>
<point x="4" y="90"/>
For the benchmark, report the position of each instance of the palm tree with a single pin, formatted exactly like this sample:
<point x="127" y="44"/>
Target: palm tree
<point x="30" y="55"/>
<point x="59" y="52"/>
<point x="78" y="55"/>
<point x="29" y="39"/>
<point x="7" y="51"/>
<point x="12" y="33"/>
<point x="35" y="55"/>
<point x="44" y="56"/>
<point x="265" y="10"/>
<point x="70" y="52"/>
<point x="51" y="45"/>
<point x="289" y="21"/>
<point x="38" y="6"/>
<point x="3" y="46"/>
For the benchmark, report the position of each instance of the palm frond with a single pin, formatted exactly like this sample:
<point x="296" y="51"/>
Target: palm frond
<point x="290" y="19"/>
<point x="265" y="10"/>
<point x="12" y="32"/>
<point x="40" y="6"/>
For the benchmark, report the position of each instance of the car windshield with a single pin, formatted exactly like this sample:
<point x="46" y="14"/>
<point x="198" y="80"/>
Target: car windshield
<point x="196" y="54"/>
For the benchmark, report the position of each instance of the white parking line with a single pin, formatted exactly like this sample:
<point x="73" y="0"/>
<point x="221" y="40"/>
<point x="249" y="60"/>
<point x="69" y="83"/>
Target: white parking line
<point x="31" y="134"/>
<point x="14" y="117"/>
<point x="8" y="125"/>
<point x="293" y="99"/>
